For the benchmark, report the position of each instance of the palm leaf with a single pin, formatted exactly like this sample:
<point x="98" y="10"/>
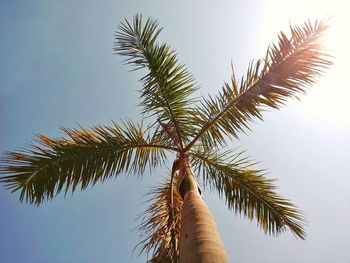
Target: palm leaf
<point x="247" y="191"/>
<point x="167" y="85"/>
<point x="45" y="168"/>
<point x="160" y="227"/>
<point x="289" y="68"/>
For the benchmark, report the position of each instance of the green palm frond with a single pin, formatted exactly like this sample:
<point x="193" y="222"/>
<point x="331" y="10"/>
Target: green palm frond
<point x="168" y="85"/>
<point x="247" y="192"/>
<point x="160" y="227"/>
<point x="45" y="168"/>
<point x="289" y="68"/>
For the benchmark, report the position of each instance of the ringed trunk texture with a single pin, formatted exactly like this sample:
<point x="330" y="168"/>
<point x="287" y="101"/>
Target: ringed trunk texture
<point x="200" y="241"/>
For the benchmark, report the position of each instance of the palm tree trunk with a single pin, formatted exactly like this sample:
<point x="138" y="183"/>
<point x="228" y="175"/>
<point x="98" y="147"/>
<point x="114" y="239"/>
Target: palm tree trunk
<point x="200" y="240"/>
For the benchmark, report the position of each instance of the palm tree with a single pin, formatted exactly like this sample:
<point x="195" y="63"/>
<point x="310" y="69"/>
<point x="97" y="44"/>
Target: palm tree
<point x="178" y="226"/>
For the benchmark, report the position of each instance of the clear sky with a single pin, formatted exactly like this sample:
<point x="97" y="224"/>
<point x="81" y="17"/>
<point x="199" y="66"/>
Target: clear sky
<point x="57" y="68"/>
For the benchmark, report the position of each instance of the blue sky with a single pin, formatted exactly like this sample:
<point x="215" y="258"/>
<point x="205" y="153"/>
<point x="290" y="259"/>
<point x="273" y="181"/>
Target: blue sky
<point x="57" y="68"/>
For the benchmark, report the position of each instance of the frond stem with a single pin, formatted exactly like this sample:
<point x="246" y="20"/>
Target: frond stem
<point x="212" y="122"/>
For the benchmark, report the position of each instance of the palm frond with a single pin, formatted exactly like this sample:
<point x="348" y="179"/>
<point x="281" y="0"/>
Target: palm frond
<point x="288" y="69"/>
<point x="86" y="157"/>
<point x="247" y="191"/>
<point x="160" y="226"/>
<point x="168" y="85"/>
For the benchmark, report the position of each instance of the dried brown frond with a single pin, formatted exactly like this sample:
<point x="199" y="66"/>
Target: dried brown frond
<point x="160" y="226"/>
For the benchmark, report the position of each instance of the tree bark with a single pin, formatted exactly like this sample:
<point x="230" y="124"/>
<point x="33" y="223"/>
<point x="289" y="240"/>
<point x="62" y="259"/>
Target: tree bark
<point x="200" y="241"/>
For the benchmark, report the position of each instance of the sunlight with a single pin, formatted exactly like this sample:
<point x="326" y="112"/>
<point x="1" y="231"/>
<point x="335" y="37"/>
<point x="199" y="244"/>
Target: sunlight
<point x="329" y="100"/>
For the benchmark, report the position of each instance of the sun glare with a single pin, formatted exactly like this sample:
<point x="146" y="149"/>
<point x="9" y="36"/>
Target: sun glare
<point x="328" y="101"/>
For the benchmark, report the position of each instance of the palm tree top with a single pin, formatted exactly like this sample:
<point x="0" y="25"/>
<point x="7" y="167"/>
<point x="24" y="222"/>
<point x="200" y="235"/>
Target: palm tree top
<point x="195" y="129"/>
